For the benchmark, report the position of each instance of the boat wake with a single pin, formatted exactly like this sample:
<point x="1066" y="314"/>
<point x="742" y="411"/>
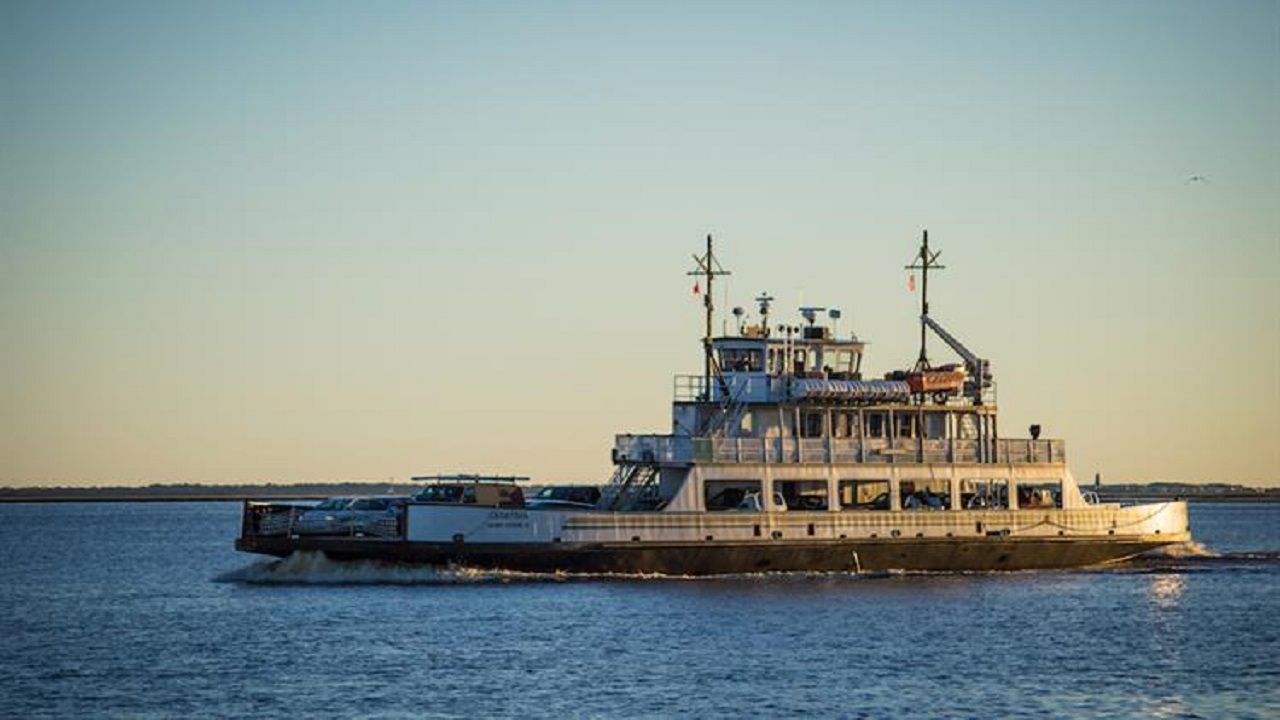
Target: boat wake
<point x="1194" y="557"/>
<point x="1189" y="549"/>
<point x="314" y="568"/>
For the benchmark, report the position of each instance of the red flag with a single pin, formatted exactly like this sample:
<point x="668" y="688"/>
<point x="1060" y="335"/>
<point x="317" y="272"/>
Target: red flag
<point x="911" y="282"/>
<point x="696" y="289"/>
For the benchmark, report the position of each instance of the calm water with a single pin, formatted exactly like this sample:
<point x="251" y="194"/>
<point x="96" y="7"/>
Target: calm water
<point x="145" y="610"/>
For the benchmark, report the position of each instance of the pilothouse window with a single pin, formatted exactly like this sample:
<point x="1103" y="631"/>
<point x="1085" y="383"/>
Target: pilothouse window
<point x="741" y="360"/>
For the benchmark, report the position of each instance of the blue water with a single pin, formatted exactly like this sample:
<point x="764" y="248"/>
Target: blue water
<point x="143" y="610"/>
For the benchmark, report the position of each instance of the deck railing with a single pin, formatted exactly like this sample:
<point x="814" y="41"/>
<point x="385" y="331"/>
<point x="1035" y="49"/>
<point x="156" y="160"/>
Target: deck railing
<point x="685" y="449"/>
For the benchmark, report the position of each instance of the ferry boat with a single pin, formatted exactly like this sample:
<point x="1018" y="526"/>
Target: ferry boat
<point x="783" y="457"/>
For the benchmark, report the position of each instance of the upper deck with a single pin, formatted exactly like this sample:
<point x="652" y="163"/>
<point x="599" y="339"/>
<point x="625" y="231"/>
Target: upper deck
<point x="686" y="450"/>
<point x="796" y="393"/>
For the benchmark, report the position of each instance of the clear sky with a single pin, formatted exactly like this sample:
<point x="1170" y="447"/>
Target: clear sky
<point x="312" y="241"/>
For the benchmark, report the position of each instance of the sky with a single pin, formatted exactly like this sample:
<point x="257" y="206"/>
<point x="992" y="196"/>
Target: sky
<point x="311" y="241"/>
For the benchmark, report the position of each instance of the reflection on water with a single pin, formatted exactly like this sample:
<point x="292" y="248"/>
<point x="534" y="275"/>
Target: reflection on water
<point x="1166" y="590"/>
<point x="1169" y="707"/>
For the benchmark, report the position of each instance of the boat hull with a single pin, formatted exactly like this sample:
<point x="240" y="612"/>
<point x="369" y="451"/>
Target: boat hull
<point x="716" y="558"/>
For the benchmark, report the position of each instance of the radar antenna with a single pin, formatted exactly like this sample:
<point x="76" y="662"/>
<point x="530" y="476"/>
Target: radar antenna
<point x="810" y="313"/>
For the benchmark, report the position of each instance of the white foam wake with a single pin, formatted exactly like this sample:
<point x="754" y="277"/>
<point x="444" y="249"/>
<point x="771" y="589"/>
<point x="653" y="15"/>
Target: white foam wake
<point x="313" y="568"/>
<point x="1189" y="549"/>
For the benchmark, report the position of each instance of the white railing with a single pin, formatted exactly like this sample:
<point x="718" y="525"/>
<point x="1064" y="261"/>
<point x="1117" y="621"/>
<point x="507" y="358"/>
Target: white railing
<point x="685" y="449"/>
<point x="653" y="448"/>
<point x="689" y="388"/>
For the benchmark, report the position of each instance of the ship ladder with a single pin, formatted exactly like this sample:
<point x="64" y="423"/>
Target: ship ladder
<point x="630" y="480"/>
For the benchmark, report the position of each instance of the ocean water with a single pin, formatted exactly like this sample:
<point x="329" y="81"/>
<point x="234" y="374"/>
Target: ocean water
<point x="145" y="610"/>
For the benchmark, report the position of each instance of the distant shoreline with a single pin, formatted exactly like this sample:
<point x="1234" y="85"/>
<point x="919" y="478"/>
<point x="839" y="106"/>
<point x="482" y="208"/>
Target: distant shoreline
<point x="152" y="498"/>
<point x="200" y="493"/>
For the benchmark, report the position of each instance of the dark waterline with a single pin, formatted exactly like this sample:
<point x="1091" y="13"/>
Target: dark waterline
<point x="145" y="610"/>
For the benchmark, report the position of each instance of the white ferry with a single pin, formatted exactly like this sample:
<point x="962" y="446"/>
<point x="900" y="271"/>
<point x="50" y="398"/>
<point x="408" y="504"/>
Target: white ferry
<point x="782" y="457"/>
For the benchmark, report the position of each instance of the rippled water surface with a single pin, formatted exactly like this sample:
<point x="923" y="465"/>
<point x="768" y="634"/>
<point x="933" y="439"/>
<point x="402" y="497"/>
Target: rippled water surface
<point x="146" y="610"/>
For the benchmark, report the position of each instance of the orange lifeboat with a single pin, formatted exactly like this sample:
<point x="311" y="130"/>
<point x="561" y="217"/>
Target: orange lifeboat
<point x="943" y="379"/>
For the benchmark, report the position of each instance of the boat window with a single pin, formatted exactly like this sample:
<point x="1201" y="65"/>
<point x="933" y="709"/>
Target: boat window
<point x="440" y="494"/>
<point x="843" y="364"/>
<point x="802" y="494"/>
<point x="777" y="361"/>
<point x="469" y="495"/>
<point x="967" y="426"/>
<point x="334" y="504"/>
<point x="839" y="424"/>
<point x="1040" y="494"/>
<point x="984" y="493"/>
<point x="875" y="425"/>
<point x="925" y="494"/>
<point x="904" y="425"/>
<point x="801" y="357"/>
<point x="935" y="425"/>
<point x="741" y="360"/>
<point x="723" y="495"/>
<point x="864" y="494"/>
<point x="811" y="427"/>
<point x="746" y="427"/>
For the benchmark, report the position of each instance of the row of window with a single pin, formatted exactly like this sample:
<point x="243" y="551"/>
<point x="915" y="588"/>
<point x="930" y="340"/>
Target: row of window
<point x="975" y="493"/>
<point x="878" y="424"/>
<point x="804" y="361"/>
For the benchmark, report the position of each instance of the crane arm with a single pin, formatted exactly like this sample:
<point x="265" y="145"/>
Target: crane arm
<point x="979" y="369"/>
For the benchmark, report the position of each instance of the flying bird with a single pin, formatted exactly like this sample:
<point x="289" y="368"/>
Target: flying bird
<point x="1198" y="179"/>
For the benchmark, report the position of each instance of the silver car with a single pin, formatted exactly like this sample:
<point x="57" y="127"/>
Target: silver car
<point x="377" y="515"/>
<point x="358" y="516"/>
<point x="330" y="517"/>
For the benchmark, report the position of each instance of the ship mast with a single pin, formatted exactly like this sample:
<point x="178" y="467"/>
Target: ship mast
<point x="924" y="261"/>
<point x="709" y="267"/>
